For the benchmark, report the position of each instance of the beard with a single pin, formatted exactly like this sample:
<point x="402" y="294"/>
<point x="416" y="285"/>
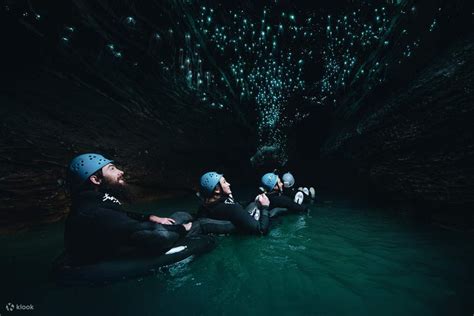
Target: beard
<point x="120" y="190"/>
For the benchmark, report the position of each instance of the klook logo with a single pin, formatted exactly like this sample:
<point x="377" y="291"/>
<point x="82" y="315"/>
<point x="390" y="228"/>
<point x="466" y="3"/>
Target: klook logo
<point x="10" y="307"/>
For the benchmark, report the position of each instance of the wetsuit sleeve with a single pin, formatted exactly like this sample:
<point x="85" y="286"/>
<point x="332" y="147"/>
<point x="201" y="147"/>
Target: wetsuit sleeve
<point x="179" y="217"/>
<point x="286" y="202"/>
<point x="117" y="222"/>
<point x="243" y="220"/>
<point x="264" y="220"/>
<point x="138" y="216"/>
<point x="146" y="235"/>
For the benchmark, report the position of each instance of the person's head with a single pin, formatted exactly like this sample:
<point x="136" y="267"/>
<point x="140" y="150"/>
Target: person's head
<point x="214" y="184"/>
<point x="288" y="180"/>
<point x="95" y="172"/>
<point x="271" y="182"/>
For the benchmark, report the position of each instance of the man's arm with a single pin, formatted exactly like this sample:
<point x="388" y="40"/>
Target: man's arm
<point x="146" y="235"/>
<point x="151" y="217"/>
<point x="138" y="216"/>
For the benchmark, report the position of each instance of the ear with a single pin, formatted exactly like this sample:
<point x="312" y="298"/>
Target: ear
<point x="95" y="179"/>
<point x="217" y="189"/>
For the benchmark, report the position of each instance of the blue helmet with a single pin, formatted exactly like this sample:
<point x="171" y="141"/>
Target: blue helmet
<point x="209" y="180"/>
<point x="269" y="180"/>
<point x="288" y="180"/>
<point x="85" y="165"/>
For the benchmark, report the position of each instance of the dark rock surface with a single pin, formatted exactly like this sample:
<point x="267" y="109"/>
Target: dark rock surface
<point x="417" y="145"/>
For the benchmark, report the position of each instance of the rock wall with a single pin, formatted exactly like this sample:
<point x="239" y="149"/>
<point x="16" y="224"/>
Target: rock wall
<point x="417" y="144"/>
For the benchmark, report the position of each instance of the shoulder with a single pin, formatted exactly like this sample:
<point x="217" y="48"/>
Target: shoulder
<point x="223" y="200"/>
<point x="85" y="200"/>
<point x="88" y="202"/>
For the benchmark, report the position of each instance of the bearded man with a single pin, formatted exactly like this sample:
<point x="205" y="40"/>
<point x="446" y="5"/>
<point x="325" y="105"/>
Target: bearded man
<point x="98" y="227"/>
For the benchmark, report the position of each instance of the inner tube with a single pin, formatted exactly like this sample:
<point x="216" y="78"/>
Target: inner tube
<point x="110" y="271"/>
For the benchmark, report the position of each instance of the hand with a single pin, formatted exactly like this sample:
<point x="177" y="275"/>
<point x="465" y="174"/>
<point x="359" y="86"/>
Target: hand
<point x="263" y="200"/>
<point x="161" y="220"/>
<point x="188" y="226"/>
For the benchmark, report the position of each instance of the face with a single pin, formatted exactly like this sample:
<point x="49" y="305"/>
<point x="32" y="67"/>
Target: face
<point x="112" y="175"/>
<point x="112" y="182"/>
<point x="279" y="185"/>
<point x="225" y="186"/>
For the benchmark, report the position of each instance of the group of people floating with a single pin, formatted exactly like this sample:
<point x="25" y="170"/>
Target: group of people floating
<point x="99" y="227"/>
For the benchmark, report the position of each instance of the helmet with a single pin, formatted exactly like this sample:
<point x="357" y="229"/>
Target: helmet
<point x="83" y="166"/>
<point x="288" y="180"/>
<point x="208" y="182"/>
<point x="269" y="180"/>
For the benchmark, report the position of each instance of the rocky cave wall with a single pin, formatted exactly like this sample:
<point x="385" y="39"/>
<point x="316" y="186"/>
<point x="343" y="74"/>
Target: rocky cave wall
<point x="416" y="144"/>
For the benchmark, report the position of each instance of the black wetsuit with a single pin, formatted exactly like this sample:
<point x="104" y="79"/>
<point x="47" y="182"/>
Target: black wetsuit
<point x="226" y="209"/>
<point x="98" y="227"/>
<point x="291" y="192"/>
<point x="280" y="200"/>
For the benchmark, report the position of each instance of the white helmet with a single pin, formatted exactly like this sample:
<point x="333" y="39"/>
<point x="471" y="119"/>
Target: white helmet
<point x="288" y="180"/>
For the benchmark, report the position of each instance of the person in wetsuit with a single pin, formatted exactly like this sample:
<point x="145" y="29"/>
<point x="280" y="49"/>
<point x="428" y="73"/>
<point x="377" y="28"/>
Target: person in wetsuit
<point x="219" y="204"/>
<point x="273" y="187"/>
<point x="299" y="195"/>
<point x="98" y="227"/>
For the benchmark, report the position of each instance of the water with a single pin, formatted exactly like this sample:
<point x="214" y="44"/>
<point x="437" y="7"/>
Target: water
<point x="342" y="259"/>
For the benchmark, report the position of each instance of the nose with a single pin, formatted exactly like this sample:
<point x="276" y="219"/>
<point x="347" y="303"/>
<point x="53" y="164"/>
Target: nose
<point x="120" y="172"/>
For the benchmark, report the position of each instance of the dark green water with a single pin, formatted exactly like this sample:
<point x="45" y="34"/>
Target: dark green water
<point x="341" y="259"/>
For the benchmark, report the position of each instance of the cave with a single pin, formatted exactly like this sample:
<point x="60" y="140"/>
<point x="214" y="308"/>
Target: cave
<point x="369" y="102"/>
